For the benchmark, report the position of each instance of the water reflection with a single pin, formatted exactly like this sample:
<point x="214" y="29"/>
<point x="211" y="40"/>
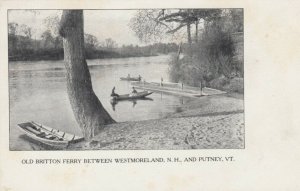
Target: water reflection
<point x="114" y="102"/>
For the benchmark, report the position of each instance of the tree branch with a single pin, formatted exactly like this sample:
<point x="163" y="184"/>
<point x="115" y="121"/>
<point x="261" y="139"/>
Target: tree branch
<point x="177" y="28"/>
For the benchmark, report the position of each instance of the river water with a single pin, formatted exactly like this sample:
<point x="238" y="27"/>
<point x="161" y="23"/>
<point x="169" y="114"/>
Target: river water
<point x="38" y="93"/>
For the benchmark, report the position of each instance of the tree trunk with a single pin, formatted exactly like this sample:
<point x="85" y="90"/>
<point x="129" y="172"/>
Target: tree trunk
<point x="196" y="32"/>
<point x="188" y="26"/>
<point x="178" y="52"/>
<point x="189" y="51"/>
<point x="87" y="108"/>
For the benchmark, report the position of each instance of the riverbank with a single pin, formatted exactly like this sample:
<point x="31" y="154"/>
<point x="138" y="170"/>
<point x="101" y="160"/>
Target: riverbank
<point x="209" y="122"/>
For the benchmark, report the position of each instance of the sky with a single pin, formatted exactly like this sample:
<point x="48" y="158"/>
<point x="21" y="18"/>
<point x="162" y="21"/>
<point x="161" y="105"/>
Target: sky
<point x="100" y="23"/>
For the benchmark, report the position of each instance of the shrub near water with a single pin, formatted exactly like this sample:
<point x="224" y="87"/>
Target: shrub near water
<point x="209" y="62"/>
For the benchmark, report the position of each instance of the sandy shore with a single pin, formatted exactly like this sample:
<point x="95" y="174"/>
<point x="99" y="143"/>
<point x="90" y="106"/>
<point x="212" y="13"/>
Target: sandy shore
<point x="213" y="122"/>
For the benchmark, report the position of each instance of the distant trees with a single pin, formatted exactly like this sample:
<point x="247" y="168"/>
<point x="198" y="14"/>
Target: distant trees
<point x="22" y="46"/>
<point x="49" y="45"/>
<point x="90" y="41"/>
<point x="52" y="24"/>
<point x="19" y="39"/>
<point x="110" y="44"/>
<point x="21" y="30"/>
<point x="47" y="40"/>
<point x="27" y="32"/>
<point x="12" y="37"/>
<point x="12" y="28"/>
<point x="25" y="44"/>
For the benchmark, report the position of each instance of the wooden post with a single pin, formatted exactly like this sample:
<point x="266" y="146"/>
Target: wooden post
<point x="200" y="87"/>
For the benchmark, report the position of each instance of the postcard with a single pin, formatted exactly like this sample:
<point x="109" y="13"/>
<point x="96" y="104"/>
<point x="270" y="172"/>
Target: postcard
<point x="138" y="96"/>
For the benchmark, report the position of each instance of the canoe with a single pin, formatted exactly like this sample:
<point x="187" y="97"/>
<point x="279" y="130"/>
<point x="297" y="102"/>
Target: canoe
<point x="138" y="95"/>
<point x="48" y="136"/>
<point x="130" y="79"/>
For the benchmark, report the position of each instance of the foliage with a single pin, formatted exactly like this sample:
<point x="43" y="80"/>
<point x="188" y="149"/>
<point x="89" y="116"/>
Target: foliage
<point x="214" y="53"/>
<point x="235" y="84"/>
<point x="90" y="41"/>
<point x="146" y="26"/>
<point x="154" y="24"/>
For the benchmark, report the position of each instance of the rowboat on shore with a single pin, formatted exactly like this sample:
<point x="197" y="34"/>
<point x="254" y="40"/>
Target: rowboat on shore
<point x="130" y="78"/>
<point x="48" y="136"/>
<point x="138" y="95"/>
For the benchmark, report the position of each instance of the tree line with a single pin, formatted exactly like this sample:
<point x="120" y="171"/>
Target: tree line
<point x="22" y="45"/>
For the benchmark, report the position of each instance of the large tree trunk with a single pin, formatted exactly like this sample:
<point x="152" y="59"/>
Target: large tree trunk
<point x="88" y="110"/>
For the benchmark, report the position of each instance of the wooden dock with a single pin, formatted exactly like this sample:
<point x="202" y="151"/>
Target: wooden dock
<point x="176" y="88"/>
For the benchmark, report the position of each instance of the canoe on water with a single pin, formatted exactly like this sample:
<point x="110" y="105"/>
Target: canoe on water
<point x="138" y="95"/>
<point x="130" y="79"/>
<point x="47" y="135"/>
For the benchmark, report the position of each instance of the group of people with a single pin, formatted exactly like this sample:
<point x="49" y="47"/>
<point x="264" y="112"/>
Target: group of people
<point x="133" y="93"/>
<point x="139" y="77"/>
<point x="114" y="94"/>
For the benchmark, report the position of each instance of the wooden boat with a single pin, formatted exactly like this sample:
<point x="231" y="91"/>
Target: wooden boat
<point x="138" y="95"/>
<point x="115" y="102"/>
<point x="47" y="135"/>
<point x="131" y="78"/>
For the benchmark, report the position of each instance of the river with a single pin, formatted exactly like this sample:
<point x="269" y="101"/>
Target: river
<point x="38" y="93"/>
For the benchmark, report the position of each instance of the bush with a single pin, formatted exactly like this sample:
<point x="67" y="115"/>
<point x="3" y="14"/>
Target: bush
<point x="210" y="61"/>
<point x="236" y="85"/>
<point x="219" y="83"/>
<point x="176" y="75"/>
<point x="228" y="85"/>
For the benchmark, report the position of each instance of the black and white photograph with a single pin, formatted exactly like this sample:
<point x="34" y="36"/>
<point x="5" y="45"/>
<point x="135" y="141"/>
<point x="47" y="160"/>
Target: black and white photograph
<point x="149" y="95"/>
<point x="126" y="79"/>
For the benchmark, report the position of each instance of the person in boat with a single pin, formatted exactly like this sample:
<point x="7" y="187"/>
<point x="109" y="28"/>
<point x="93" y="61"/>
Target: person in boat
<point x="140" y="78"/>
<point x="134" y="92"/>
<point x="128" y="76"/>
<point x="113" y="94"/>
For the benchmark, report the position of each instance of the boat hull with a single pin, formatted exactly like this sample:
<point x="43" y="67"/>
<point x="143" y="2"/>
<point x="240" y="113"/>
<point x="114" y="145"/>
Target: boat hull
<point x="139" y="95"/>
<point x="130" y="79"/>
<point x="48" y="136"/>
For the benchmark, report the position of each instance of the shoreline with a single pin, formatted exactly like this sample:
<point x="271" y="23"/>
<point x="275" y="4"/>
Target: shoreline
<point x="62" y="58"/>
<point x="209" y="122"/>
